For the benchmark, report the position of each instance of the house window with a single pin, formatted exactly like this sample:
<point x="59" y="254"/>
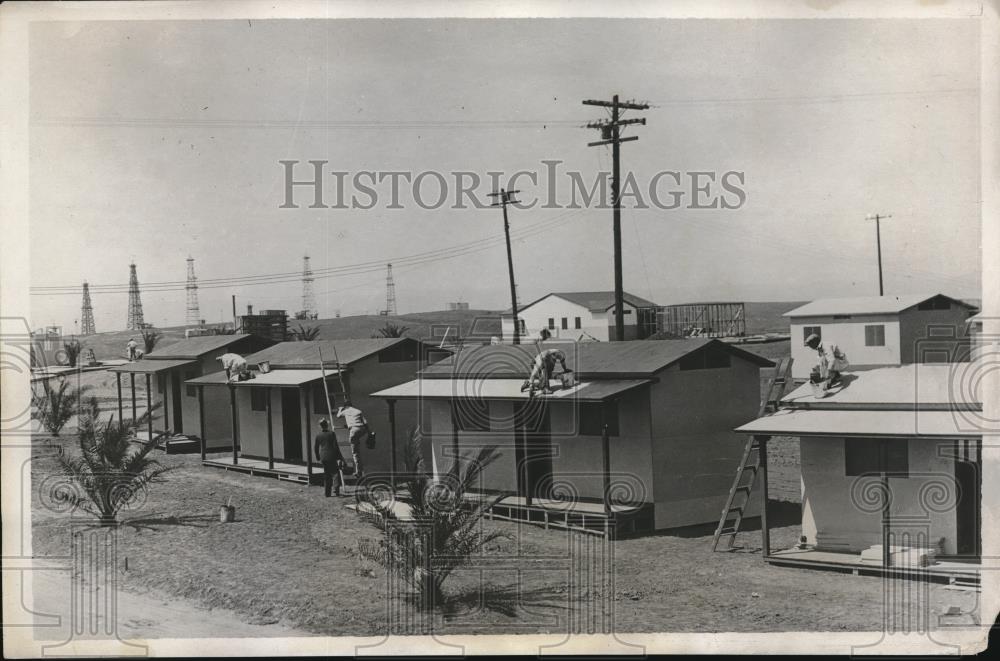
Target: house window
<point x="258" y="399"/>
<point x="576" y="323"/>
<point x="190" y="391"/>
<point x="523" y="327"/>
<point x="552" y="323"/>
<point x="565" y="323"/>
<point x="812" y="330"/>
<point x="589" y="419"/>
<point x="319" y="398"/>
<point x="862" y="456"/>
<point x="711" y="357"/>
<point x="875" y="335"/>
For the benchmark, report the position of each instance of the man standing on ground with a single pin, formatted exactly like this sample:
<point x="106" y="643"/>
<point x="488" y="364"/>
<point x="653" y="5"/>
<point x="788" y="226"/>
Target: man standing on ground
<point x="130" y="348"/>
<point x="329" y="455"/>
<point x="357" y="426"/>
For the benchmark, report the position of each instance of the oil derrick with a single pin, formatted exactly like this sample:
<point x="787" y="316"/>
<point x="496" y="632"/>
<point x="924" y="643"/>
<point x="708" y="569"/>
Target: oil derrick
<point x="135" y="320"/>
<point x="390" y="292"/>
<point x="193" y="315"/>
<point x="308" y="295"/>
<point x="86" y="313"/>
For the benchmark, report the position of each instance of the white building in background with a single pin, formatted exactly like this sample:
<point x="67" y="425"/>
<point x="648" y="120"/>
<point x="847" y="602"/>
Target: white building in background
<point x="582" y="316"/>
<point x="875" y="331"/>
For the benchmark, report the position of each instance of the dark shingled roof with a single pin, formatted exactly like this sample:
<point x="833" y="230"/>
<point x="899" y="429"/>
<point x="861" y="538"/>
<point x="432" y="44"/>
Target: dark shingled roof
<point x="306" y="354"/>
<point x="194" y="347"/>
<point x="635" y="359"/>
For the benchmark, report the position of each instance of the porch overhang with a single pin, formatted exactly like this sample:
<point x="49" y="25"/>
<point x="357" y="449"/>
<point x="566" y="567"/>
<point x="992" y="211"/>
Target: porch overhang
<point x="273" y="379"/>
<point x="507" y="390"/>
<point x="840" y="424"/>
<point x="150" y="366"/>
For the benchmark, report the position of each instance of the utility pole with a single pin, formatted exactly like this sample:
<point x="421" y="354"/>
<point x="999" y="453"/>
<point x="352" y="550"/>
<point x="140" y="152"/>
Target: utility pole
<point x="878" y="244"/>
<point x="611" y="135"/>
<point x="504" y="198"/>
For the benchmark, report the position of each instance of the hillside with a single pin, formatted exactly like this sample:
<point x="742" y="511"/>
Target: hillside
<point x="475" y="324"/>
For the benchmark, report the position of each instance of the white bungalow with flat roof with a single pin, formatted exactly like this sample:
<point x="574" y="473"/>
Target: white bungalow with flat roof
<point x="903" y="431"/>
<point x="882" y="330"/>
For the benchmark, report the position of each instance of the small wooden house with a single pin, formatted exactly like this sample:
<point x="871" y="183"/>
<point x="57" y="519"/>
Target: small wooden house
<point x="875" y="331"/>
<point x="641" y="440"/>
<point x="277" y="412"/>
<point x="182" y="406"/>
<point x="582" y="315"/>
<point x="913" y="432"/>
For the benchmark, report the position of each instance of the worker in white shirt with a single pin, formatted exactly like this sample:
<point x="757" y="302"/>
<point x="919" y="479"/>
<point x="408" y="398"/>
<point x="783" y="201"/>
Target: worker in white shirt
<point x="832" y="361"/>
<point x="541" y="371"/>
<point x="357" y="426"/>
<point x="130" y="348"/>
<point x="235" y="366"/>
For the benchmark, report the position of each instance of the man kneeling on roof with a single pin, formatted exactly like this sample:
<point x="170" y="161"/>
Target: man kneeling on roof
<point x="541" y="371"/>
<point x="832" y="361"/>
<point x="235" y="366"/>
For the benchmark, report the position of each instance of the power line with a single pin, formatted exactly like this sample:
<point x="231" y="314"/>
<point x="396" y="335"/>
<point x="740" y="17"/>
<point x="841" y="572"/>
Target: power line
<point x="451" y="252"/>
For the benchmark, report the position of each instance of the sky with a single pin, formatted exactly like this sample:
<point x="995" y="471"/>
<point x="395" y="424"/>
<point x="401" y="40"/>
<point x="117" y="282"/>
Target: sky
<point x="153" y="141"/>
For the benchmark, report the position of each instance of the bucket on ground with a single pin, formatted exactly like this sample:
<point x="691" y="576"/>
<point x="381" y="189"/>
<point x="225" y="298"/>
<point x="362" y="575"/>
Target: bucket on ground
<point x="227" y="513"/>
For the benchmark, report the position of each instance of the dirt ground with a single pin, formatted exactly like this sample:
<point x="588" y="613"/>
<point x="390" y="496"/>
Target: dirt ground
<point x="290" y="561"/>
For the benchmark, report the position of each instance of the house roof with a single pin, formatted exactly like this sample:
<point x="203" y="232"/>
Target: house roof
<point x="595" y="301"/>
<point x="939" y="386"/>
<point x="838" y="424"/>
<point x="150" y="366"/>
<point x="822" y="307"/>
<point x="505" y="389"/>
<point x="194" y="347"/>
<point x="634" y="359"/>
<point x="272" y="378"/>
<point x="306" y="354"/>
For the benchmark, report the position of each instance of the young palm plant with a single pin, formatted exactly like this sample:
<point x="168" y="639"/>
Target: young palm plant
<point x="442" y="530"/>
<point x="113" y="467"/>
<point x="54" y="406"/>
<point x="391" y="330"/>
<point x="305" y="333"/>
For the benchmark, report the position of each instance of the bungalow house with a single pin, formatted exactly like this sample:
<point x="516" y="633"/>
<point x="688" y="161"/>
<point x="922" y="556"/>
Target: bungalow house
<point x="902" y="431"/>
<point x="276" y="414"/>
<point x="181" y="405"/>
<point x="639" y="440"/>
<point x="586" y="315"/>
<point x="879" y="330"/>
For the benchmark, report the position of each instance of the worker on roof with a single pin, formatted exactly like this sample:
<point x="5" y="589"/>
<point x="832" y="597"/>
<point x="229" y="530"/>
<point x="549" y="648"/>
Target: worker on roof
<point x="130" y="348"/>
<point x="832" y="361"/>
<point x="357" y="425"/>
<point x="328" y="454"/>
<point x="235" y="366"/>
<point x="541" y="371"/>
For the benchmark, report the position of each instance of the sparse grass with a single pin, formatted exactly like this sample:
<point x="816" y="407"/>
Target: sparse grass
<point x="291" y="556"/>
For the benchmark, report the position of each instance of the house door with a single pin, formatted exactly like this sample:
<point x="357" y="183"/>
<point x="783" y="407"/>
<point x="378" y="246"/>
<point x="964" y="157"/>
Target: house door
<point x="967" y="510"/>
<point x="534" y="449"/>
<point x="291" y="424"/>
<point x="175" y="403"/>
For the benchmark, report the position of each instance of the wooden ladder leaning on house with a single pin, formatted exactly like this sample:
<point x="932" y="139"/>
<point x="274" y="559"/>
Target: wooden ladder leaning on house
<point x="733" y="512"/>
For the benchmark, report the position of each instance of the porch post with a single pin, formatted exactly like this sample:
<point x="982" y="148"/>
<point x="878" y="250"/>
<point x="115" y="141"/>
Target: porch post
<point x="132" y="381"/>
<point x="118" y="378"/>
<point x="232" y="408"/>
<point x="201" y="420"/>
<point x="270" y="432"/>
<point x="168" y="391"/>
<point x="765" y="531"/>
<point x="606" y="459"/>
<point x="149" y="407"/>
<point x="309" y="448"/>
<point x="454" y="431"/>
<point x="883" y="461"/>
<point x="392" y="442"/>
